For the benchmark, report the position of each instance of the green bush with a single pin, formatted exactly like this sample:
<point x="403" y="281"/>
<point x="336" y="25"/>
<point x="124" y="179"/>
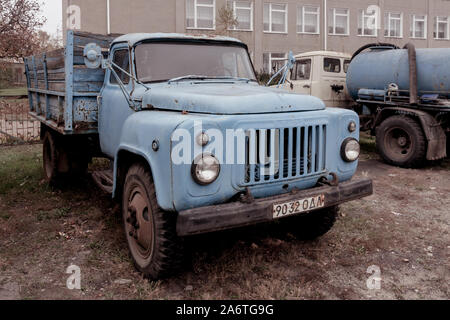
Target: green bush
<point x="264" y="77"/>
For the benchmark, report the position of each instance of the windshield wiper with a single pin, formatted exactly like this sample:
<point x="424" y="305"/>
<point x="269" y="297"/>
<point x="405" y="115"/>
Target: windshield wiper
<point x="188" y="77"/>
<point x="199" y="77"/>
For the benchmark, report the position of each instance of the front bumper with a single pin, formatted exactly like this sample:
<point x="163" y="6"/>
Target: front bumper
<point x="239" y="214"/>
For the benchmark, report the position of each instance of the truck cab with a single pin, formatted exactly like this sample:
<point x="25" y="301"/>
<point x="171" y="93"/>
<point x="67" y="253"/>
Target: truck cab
<point x="196" y="143"/>
<point x="321" y="74"/>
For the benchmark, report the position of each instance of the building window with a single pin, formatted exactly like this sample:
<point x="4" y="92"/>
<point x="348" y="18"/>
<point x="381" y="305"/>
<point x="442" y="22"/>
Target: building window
<point x="243" y="13"/>
<point x="441" y="26"/>
<point x="393" y="25"/>
<point x="338" y="22"/>
<point x="308" y="20"/>
<point x="200" y="14"/>
<point x="418" y="27"/>
<point x="275" y="18"/>
<point x="273" y="62"/>
<point x="367" y="23"/>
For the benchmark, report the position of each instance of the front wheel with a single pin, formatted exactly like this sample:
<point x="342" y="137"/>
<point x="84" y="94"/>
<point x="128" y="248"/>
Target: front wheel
<point x="314" y="224"/>
<point x="151" y="232"/>
<point x="401" y="142"/>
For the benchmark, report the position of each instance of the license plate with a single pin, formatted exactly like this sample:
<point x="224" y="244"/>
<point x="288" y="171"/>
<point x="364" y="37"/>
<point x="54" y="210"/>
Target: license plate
<point x="298" y="206"/>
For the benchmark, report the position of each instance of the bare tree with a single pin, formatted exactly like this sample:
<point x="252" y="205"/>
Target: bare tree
<point x="19" y="24"/>
<point x="226" y="19"/>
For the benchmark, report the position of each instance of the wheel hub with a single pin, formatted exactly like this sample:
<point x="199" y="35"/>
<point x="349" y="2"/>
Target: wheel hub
<point x="399" y="143"/>
<point x="402" y="141"/>
<point x="140" y="227"/>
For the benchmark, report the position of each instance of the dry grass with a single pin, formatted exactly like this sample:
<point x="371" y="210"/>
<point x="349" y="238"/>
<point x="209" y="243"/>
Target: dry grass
<point x="44" y="230"/>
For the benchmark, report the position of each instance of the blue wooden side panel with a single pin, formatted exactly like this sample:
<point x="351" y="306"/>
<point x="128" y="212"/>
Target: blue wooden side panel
<point x="62" y="92"/>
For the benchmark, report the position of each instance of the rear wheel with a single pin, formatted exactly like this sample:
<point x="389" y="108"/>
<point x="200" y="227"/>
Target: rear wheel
<point x="314" y="224"/>
<point x="61" y="163"/>
<point x="50" y="158"/>
<point x="151" y="234"/>
<point x="401" y="142"/>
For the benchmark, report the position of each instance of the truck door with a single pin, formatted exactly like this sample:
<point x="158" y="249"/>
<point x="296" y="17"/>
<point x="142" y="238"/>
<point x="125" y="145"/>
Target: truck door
<point x="333" y="82"/>
<point x="301" y="76"/>
<point x="114" y="108"/>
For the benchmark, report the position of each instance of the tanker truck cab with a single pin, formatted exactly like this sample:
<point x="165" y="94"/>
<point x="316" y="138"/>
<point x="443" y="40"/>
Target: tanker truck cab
<point x="198" y="145"/>
<point x="321" y="74"/>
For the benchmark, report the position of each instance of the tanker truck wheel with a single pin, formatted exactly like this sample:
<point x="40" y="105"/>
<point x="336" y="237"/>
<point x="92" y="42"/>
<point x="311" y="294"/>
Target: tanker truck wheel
<point x="401" y="142"/>
<point x="150" y="232"/>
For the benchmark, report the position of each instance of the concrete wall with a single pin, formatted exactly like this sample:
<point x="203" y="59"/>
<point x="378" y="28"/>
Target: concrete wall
<point x="169" y="16"/>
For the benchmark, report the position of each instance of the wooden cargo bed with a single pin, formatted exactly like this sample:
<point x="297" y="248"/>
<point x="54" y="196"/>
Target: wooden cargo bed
<point x="62" y="91"/>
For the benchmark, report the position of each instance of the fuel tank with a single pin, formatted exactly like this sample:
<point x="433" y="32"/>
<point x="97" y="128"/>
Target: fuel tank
<point x="378" y="68"/>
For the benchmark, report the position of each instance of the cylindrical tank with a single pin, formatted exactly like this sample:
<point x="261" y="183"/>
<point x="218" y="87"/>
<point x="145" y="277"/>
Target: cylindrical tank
<point x="377" y="68"/>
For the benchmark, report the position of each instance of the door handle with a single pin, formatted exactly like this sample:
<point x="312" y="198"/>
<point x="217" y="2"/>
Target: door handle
<point x="307" y="86"/>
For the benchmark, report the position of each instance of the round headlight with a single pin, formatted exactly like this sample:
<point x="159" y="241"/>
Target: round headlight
<point x="202" y="139"/>
<point x="205" y="169"/>
<point x="350" y="150"/>
<point x="352" y="126"/>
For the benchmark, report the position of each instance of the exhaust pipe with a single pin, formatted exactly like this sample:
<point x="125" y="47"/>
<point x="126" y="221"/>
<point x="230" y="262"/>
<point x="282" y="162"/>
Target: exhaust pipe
<point x="413" y="93"/>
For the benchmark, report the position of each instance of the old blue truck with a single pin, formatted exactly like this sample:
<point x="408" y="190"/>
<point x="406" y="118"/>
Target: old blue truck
<point x="196" y="144"/>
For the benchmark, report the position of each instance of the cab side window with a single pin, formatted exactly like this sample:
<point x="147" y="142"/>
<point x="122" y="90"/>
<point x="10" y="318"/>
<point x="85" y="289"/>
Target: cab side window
<point x="122" y="59"/>
<point x="346" y="65"/>
<point x="332" y="65"/>
<point x="302" y="70"/>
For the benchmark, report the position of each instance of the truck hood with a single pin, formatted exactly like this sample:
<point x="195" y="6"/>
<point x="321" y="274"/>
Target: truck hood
<point x="227" y="98"/>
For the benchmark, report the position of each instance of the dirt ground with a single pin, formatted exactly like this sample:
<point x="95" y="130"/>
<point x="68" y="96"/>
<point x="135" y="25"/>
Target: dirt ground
<point x="402" y="230"/>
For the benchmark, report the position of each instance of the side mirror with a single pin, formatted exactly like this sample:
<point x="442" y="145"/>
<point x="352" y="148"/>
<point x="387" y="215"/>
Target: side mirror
<point x="93" y="57"/>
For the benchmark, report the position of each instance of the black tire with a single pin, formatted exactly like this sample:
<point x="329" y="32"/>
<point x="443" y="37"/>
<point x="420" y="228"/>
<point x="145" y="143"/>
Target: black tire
<point x="50" y="159"/>
<point x="78" y="164"/>
<point x="448" y="145"/>
<point x="401" y="142"/>
<point x="146" y="224"/>
<point x="60" y="164"/>
<point x="314" y="224"/>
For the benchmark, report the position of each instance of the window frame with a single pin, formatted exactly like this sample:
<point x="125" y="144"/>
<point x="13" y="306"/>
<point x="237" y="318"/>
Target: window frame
<point x="286" y="10"/>
<point x="196" y="5"/>
<point x="388" y="26"/>
<point x="294" y="70"/>
<point x="332" y="58"/>
<point x="252" y="17"/>
<point x="362" y="15"/>
<point x="335" y="14"/>
<point x="413" y="26"/>
<point x="436" y="27"/>
<point x="303" y="13"/>
<point x="274" y="59"/>
<point x="346" y="61"/>
<point x="111" y="79"/>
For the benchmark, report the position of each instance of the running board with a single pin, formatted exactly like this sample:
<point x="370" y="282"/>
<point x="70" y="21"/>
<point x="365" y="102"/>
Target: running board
<point x="104" y="180"/>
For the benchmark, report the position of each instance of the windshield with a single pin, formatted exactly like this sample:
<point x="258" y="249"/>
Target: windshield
<point x="164" y="61"/>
